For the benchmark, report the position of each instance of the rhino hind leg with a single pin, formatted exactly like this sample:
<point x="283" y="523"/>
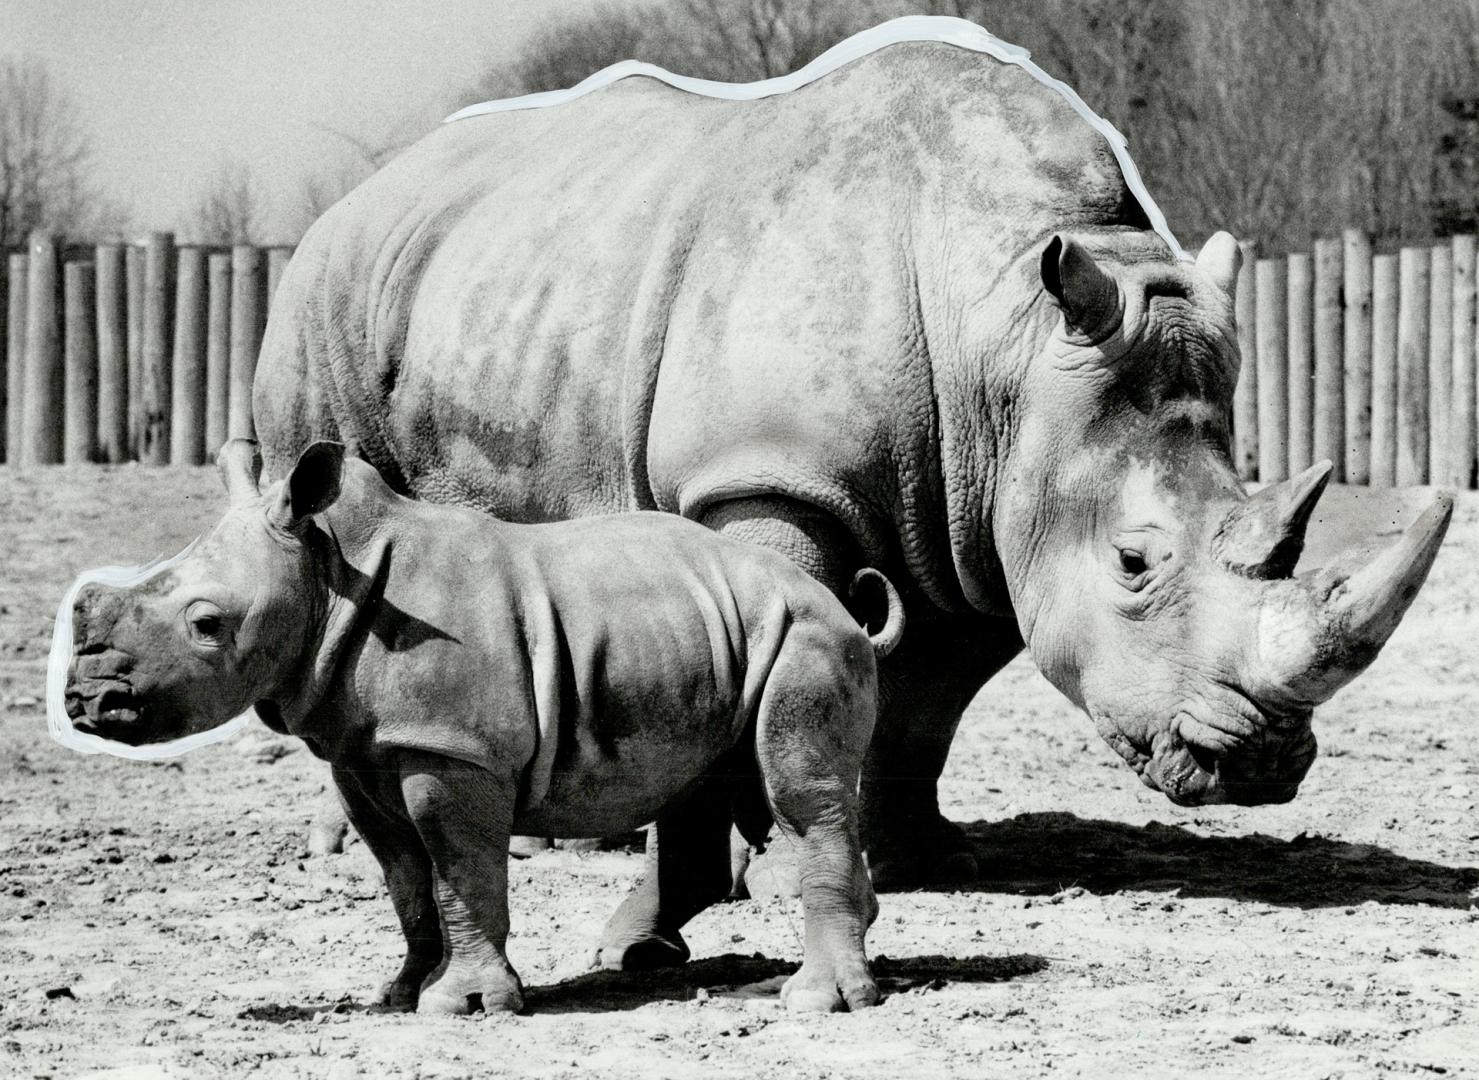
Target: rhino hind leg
<point x="925" y="687"/>
<point x="815" y="718"/>
<point x="687" y="871"/>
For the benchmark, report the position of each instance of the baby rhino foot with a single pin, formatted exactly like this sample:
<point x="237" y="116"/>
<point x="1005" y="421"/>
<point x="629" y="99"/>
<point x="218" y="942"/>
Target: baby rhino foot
<point x="825" y="988"/>
<point x="459" y="991"/>
<point x="642" y="952"/>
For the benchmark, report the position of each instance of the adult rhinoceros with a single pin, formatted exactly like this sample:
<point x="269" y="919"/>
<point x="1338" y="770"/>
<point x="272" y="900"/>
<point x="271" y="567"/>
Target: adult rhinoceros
<point x="909" y="315"/>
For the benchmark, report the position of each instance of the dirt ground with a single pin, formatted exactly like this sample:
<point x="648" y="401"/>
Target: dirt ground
<point x="164" y="920"/>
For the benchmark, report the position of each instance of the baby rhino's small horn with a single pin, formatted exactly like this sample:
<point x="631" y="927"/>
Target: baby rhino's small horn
<point x="239" y="463"/>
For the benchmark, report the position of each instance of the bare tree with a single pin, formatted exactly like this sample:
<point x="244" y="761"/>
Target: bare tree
<point x="727" y="40"/>
<point x="45" y="160"/>
<point x="230" y="208"/>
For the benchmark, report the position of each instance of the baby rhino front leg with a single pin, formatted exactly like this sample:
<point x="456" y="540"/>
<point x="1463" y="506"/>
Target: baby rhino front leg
<point x="464" y="815"/>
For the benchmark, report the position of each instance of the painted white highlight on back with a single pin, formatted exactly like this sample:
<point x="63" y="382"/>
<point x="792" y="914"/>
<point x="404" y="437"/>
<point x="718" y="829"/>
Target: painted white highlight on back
<point x="57" y="720"/>
<point x="941" y="28"/>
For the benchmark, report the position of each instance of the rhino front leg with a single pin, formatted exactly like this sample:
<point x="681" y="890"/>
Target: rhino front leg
<point x="926" y="685"/>
<point x="464" y="815"/>
<point x="379" y="816"/>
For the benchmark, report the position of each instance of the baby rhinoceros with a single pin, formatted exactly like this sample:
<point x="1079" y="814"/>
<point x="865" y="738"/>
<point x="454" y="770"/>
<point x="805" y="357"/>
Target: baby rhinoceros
<point x="469" y="678"/>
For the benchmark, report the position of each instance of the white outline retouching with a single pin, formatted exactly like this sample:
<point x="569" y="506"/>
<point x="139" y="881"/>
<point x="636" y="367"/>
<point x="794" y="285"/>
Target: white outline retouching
<point x="57" y="720"/>
<point x="941" y="28"/>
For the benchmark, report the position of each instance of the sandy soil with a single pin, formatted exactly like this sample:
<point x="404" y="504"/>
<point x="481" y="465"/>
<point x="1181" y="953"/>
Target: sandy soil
<point x="162" y="919"/>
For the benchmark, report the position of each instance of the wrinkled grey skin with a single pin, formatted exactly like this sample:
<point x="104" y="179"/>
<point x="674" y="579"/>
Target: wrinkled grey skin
<point x="467" y="678"/>
<point x="908" y="316"/>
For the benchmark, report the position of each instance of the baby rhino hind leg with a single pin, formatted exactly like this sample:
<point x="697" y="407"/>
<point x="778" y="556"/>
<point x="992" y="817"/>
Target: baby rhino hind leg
<point x="816" y="716"/>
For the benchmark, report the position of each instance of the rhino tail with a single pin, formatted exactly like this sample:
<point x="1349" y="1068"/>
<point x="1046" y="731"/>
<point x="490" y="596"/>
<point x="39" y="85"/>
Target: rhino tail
<point x="887" y="638"/>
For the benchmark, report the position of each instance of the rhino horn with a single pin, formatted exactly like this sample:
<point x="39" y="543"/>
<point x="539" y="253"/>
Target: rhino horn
<point x="239" y="464"/>
<point x="1089" y="297"/>
<point x="1350" y="615"/>
<point x="1220" y="260"/>
<point x="1264" y="537"/>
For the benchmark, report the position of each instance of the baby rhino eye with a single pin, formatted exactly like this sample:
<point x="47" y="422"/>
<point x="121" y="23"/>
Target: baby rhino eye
<point x="206" y="622"/>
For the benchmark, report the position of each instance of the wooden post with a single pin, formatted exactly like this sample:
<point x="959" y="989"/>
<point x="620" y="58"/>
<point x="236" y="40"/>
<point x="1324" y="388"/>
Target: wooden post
<point x="277" y="262"/>
<point x="218" y="353"/>
<point x="41" y="420"/>
<point x="187" y="390"/>
<point x="15" y="352"/>
<point x="158" y="261"/>
<point x="1440" y="359"/>
<point x="1272" y="297"/>
<point x="1384" y="290"/>
<point x="134" y="269"/>
<point x="246" y="337"/>
<point x="80" y="405"/>
<point x="1357" y="347"/>
<point x="1301" y="305"/>
<point x="1412" y="366"/>
<point x="1329" y="439"/>
<point x="112" y="321"/>
<point x="1461" y="441"/>
<point x="1245" y="397"/>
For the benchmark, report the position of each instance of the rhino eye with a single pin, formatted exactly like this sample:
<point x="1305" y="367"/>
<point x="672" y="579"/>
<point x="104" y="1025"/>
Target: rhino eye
<point x="207" y="626"/>
<point x="1132" y="562"/>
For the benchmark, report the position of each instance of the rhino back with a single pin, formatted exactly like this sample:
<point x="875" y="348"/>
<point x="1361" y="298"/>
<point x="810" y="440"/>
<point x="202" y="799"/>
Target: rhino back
<point x="650" y="299"/>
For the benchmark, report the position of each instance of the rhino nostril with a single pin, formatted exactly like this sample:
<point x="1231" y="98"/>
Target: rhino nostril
<point x="1205" y="759"/>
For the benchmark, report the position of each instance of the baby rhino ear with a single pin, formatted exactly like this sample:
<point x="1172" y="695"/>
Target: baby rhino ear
<point x="310" y="488"/>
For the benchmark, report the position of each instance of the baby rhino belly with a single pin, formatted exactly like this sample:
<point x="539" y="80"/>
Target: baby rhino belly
<point x="615" y="768"/>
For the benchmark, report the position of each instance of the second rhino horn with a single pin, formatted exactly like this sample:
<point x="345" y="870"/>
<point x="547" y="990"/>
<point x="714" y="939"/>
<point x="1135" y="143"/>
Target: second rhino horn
<point x="1264" y="537"/>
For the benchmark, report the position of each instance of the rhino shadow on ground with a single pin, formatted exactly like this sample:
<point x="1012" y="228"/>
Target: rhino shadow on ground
<point x="1042" y="853"/>
<point x="758" y="976"/>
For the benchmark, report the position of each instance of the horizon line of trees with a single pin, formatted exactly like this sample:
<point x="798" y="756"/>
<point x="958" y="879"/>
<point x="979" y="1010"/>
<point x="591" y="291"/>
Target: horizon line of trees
<point x="1279" y="120"/>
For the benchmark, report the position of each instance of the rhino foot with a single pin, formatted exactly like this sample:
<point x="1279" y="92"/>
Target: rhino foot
<point x="826" y="987"/>
<point x="458" y="992"/>
<point x="942" y="856"/>
<point x="650" y="951"/>
<point x="397" y="995"/>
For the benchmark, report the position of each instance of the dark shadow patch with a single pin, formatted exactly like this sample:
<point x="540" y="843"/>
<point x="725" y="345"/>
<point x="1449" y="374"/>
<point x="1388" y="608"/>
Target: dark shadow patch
<point x="610" y="991"/>
<point x="1040" y="854"/>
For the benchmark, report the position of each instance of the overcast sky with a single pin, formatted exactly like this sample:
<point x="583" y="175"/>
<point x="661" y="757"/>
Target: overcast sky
<point x="169" y="87"/>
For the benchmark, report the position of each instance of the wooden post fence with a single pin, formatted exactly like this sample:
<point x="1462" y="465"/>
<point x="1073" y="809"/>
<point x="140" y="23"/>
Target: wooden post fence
<point x="247" y="319"/>
<point x="218" y="354"/>
<point x="1329" y="349"/>
<point x="148" y="351"/>
<point x="1245" y="397"/>
<point x="112" y="324"/>
<point x="1271" y="298"/>
<point x="1356" y="345"/>
<point x="1301" y="304"/>
<point x="187" y="390"/>
<point x="41" y="419"/>
<point x="80" y="402"/>
<point x="1461" y="416"/>
<point x="15" y="354"/>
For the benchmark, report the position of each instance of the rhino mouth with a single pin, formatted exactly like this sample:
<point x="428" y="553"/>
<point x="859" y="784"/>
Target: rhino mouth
<point x="113" y="714"/>
<point x="1191" y="774"/>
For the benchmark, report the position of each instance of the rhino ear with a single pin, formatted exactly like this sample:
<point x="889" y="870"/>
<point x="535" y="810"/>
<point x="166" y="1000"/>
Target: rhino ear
<point x="310" y="488"/>
<point x="1089" y="297"/>
<point x="239" y="464"/>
